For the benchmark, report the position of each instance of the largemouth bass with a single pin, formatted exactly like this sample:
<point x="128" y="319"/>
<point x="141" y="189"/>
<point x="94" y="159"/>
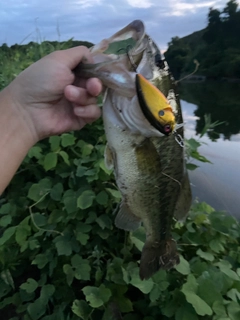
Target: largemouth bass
<point x="144" y="129"/>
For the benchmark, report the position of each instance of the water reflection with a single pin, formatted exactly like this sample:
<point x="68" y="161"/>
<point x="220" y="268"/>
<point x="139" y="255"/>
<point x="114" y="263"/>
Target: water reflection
<point x="218" y="183"/>
<point x="219" y="99"/>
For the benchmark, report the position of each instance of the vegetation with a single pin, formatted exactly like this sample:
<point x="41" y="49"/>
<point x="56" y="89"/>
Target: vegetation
<point x="61" y="258"/>
<point x="217" y="47"/>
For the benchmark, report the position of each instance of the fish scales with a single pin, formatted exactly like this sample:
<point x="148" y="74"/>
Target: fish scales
<point x="148" y="162"/>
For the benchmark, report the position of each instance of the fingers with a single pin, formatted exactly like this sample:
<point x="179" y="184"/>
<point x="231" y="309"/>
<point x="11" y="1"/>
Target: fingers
<point x="94" y="86"/>
<point x="78" y="96"/>
<point x="90" y="113"/>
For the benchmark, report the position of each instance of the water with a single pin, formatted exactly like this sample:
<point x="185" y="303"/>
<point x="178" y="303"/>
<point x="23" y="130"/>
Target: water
<point x="218" y="183"/>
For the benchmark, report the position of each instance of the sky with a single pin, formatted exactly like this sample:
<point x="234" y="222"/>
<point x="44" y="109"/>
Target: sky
<point x="22" y="21"/>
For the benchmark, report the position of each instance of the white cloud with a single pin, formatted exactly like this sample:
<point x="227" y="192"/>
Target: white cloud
<point x="181" y="8"/>
<point x="140" y="3"/>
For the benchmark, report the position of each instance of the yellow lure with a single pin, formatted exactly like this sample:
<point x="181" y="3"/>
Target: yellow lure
<point x="155" y="106"/>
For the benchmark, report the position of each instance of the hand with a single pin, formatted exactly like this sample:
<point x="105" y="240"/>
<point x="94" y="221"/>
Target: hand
<point x="49" y="99"/>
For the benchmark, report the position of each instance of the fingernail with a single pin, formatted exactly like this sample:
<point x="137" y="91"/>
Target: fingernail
<point x="79" y="111"/>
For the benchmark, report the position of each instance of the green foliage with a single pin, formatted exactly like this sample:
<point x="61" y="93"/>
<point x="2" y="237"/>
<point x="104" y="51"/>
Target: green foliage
<point x="61" y="257"/>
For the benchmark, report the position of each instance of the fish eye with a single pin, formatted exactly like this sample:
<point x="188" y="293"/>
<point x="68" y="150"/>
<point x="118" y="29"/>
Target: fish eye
<point x="161" y="113"/>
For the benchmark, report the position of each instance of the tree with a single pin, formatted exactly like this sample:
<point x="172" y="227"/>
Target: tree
<point x="231" y="9"/>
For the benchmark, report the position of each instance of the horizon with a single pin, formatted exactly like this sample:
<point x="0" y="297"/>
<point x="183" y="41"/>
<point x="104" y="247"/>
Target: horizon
<point x="22" y="22"/>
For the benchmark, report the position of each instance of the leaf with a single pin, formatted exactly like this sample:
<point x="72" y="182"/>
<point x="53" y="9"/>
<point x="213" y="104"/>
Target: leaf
<point x="85" y="200"/>
<point x="50" y="161"/>
<point x="37" y="191"/>
<point x="35" y="152"/>
<point x="57" y="191"/>
<point x="233" y="310"/>
<point x="30" y="285"/>
<point x="67" y="139"/>
<point x="5" y="220"/>
<point x="36" y="309"/>
<point x="97" y="296"/>
<point x="65" y="157"/>
<point x="234" y="294"/>
<point x="104" y="221"/>
<point x="115" y="193"/>
<point x="183" y="267"/>
<point x="55" y="143"/>
<point x="8" y="233"/>
<point x="189" y="289"/>
<point x="82" y="267"/>
<point x="67" y="269"/>
<point x="63" y="246"/>
<point x="82" y="238"/>
<point x="102" y="198"/>
<point x="185" y="312"/>
<point x="81" y="309"/>
<point x="144" y="286"/>
<point x="40" y="260"/>
<point x="193" y="144"/>
<point x="225" y="267"/>
<point x="205" y="255"/>
<point x="46" y="292"/>
<point x="219" y="308"/>
<point x="191" y="166"/>
<point x="6" y="276"/>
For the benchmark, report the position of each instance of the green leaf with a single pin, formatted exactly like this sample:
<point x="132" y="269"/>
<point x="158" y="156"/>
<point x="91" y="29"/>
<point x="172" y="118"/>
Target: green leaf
<point x="234" y="294"/>
<point x="104" y="221"/>
<point x="85" y="200"/>
<point x="67" y="139"/>
<point x="82" y="267"/>
<point x="36" y="309"/>
<point x="225" y="267"/>
<point x="216" y="245"/>
<point x="68" y="270"/>
<point x="65" y="157"/>
<point x="8" y="233"/>
<point x="233" y="310"/>
<point x="189" y="289"/>
<point x="35" y="152"/>
<point x="57" y="191"/>
<point x="37" y="191"/>
<point x="115" y="193"/>
<point x="82" y="238"/>
<point x="40" y="260"/>
<point x="50" y="161"/>
<point x="46" y="292"/>
<point x="185" y="312"/>
<point x="30" y="285"/>
<point x="191" y="166"/>
<point x="183" y="267"/>
<point x="193" y="144"/>
<point x="81" y="309"/>
<point x="144" y="286"/>
<point x="22" y="233"/>
<point x="55" y="143"/>
<point x="102" y="198"/>
<point x="219" y="308"/>
<point x="63" y="246"/>
<point x="97" y="296"/>
<point x="205" y="255"/>
<point x="5" y="220"/>
<point x="6" y="276"/>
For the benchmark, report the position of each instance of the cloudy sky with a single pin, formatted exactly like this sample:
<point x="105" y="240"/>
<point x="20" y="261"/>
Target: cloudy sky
<point x="22" y="21"/>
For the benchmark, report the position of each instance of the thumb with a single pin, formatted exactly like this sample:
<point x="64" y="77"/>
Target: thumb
<point x="72" y="57"/>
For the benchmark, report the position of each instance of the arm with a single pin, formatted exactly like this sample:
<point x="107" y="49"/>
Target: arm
<point x="45" y="99"/>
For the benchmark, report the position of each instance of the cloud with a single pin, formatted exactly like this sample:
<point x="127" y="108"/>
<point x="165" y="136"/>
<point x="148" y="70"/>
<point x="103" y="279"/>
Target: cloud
<point x="140" y="3"/>
<point x="93" y="20"/>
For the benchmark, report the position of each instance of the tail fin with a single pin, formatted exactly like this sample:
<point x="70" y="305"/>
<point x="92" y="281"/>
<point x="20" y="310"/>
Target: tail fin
<point x="158" y="255"/>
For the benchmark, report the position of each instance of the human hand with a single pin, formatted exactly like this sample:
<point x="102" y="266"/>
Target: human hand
<point x="49" y="99"/>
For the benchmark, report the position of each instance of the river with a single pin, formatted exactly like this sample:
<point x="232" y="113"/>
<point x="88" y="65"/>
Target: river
<point x="218" y="183"/>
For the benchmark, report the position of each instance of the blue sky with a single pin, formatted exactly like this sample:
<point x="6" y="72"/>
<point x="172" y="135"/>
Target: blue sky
<point x="22" y="21"/>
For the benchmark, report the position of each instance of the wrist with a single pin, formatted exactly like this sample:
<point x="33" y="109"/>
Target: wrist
<point x="15" y="138"/>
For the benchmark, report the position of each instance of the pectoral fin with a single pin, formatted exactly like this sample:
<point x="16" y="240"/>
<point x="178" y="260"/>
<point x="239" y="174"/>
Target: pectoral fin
<point x="125" y="219"/>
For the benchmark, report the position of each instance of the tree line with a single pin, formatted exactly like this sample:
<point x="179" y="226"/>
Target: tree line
<point x="217" y="47"/>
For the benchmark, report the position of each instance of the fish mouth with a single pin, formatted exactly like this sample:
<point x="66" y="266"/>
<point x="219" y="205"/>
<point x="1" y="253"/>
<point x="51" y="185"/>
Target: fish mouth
<point x="155" y="106"/>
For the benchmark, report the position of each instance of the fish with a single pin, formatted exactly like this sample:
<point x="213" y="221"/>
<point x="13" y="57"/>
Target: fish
<point x="145" y="140"/>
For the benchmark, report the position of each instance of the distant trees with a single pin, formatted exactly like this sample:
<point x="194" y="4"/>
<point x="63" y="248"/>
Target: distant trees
<point x="220" y="42"/>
